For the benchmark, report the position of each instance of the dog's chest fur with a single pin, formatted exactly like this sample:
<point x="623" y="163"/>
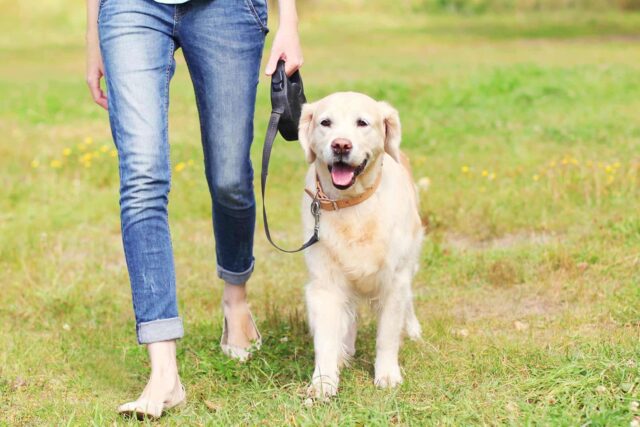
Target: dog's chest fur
<point x="358" y="244"/>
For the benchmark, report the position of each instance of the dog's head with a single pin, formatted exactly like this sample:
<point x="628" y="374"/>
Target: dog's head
<point x="347" y="132"/>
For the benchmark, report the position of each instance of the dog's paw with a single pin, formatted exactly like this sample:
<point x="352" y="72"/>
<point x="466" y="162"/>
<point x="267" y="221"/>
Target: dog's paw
<point x="388" y="377"/>
<point x="322" y="387"/>
<point x="414" y="331"/>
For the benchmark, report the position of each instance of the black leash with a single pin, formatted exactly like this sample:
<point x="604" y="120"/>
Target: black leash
<point x="287" y="97"/>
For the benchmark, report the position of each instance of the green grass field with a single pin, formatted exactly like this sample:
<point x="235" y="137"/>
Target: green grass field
<point x="526" y="126"/>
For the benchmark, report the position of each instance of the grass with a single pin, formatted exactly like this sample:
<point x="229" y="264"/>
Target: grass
<point x="526" y="127"/>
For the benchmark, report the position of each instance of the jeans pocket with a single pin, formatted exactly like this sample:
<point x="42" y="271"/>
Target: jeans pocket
<point x="258" y="9"/>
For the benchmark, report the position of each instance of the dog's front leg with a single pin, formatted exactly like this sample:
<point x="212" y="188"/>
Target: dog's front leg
<point x="391" y="320"/>
<point x="349" y="342"/>
<point x="328" y="320"/>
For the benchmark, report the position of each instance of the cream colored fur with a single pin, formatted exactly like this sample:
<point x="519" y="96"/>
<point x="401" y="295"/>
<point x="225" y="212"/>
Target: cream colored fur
<point x="369" y="251"/>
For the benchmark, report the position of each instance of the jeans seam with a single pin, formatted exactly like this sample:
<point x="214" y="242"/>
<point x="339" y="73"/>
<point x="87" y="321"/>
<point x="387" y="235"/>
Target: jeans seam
<point x="256" y="17"/>
<point x="165" y="118"/>
<point x="165" y="107"/>
<point x="99" y="10"/>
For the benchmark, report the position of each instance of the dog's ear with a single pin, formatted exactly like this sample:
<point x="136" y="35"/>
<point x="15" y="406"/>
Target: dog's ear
<point x="392" y="130"/>
<point x="305" y="127"/>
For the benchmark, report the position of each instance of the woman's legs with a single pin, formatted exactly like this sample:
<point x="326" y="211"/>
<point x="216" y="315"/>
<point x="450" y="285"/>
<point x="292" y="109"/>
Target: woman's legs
<point x="136" y="39"/>
<point x="222" y="43"/>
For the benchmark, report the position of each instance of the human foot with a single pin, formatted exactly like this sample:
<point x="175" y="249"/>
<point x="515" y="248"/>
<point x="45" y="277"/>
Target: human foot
<point x="239" y="332"/>
<point x="164" y="390"/>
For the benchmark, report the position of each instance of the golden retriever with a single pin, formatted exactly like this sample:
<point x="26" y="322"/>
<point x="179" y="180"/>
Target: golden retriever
<point x="367" y="251"/>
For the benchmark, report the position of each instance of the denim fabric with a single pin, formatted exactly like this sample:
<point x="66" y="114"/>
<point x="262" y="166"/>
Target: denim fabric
<point x="222" y="41"/>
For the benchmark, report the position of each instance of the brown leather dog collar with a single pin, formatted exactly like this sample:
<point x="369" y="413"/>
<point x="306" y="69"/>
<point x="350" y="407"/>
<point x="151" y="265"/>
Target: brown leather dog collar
<point x="329" y="204"/>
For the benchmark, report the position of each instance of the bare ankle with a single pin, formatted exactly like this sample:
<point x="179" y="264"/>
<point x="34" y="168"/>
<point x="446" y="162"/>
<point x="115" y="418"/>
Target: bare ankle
<point x="162" y="356"/>
<point x="234" y="295"/>
<point x="165" y="373"/>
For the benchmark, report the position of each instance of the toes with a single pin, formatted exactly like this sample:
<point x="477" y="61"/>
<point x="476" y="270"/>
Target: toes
<point x="237" y="353"/>
<point x="141" y="409"/>
<point x="322" y="388"/>
<point x="388" y="378"/>
<point x="388" y="382"/>
<point x="128" y="407"/>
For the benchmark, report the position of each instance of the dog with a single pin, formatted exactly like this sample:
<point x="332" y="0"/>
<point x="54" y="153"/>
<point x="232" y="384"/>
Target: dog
<point x="370" y="233"/>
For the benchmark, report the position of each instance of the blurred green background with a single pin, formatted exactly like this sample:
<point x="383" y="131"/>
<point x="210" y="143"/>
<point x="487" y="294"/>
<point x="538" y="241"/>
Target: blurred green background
<point x="521" y="120"/>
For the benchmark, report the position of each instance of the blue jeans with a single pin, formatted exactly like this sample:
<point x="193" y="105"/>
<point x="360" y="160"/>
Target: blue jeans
<point x="222" y="42"/>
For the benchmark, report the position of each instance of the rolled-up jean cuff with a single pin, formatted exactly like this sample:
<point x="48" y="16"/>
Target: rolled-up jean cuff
<point x="160" y="330"/>
<point x="235" y="278"/>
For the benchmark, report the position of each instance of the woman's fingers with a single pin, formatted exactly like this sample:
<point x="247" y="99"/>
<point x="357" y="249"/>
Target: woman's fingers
<point x="292" y="65"/>
<point x="292" y="61"/>
<point x="286" y="46"/>
<point x="93" y="81"/>
<point x="272" y="62"/>
<point x="95" y="68"/>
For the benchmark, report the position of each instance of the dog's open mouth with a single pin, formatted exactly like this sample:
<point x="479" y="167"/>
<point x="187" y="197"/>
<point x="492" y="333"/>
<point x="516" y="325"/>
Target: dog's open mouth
<point x="343" y="175"/>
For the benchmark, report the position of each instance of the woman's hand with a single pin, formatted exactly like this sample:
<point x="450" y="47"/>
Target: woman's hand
<point x="286" y="44"/>
<point x="95" y="67"/>
<point x="95" y="72"/>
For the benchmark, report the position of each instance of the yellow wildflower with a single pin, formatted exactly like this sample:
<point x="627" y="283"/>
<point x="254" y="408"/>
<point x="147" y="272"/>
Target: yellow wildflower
<point x="113" y="153"/>
<point x="56" y="164"/>
<point x="88" y="140"/>
<point x="180" y="167"/>
<point x="536" y="177"/>
<point x="66" y="152"/>
<point x="465" y="169"/>
<point x="608" y="169"/>
<point x="35" y="164"/>
<point x="485" y="173"/>
<point x="104" y="148"/>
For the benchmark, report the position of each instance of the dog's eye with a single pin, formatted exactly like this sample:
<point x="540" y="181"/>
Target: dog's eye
<point x="326" y="123"/>
<point x="361" y="123"/>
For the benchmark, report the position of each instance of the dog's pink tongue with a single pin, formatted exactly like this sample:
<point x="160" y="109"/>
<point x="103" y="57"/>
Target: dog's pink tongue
<point x="341" y="174"/>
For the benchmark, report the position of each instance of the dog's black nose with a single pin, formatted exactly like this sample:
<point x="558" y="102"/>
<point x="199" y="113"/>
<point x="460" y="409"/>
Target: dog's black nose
<point x="341" y="146"/>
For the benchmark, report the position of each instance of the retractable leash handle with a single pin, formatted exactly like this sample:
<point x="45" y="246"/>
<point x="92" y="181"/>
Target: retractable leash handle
<point x="287" y="98"/>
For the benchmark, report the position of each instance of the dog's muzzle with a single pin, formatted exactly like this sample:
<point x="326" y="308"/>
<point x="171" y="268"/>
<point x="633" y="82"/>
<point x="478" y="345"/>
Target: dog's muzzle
<point x="343" y="175"/>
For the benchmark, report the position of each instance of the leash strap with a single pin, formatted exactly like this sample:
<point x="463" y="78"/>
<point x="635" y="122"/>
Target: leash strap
<point x="272" y="131"/>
